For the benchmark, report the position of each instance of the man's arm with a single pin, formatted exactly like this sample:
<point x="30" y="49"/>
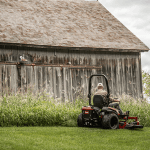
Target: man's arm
<point x="114" y="100"/>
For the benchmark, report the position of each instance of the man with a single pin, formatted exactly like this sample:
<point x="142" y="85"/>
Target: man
<point x="104" y="94"/>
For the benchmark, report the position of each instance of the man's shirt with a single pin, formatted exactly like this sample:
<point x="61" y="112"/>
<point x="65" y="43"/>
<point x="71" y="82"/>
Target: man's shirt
<point x="101" y="92"/>
<point x="104" y="94"/>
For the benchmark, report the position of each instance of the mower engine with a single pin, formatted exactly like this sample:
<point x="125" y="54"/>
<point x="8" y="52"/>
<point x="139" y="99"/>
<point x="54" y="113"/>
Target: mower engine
<point x="90" y="116"/>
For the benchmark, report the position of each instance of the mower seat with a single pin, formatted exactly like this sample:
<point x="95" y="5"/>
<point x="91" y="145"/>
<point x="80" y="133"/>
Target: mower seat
<point x="98" y="101"/>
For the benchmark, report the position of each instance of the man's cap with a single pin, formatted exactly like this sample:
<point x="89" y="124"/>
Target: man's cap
<point x="100" y="84"/>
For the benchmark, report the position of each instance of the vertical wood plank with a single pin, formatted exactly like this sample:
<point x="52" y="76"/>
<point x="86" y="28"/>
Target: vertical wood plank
<point x="45" y="79"/>
<point x="60" y="83"/>
<point x="140" y="78"/>
<point x="8" y="77"/>
<point x="40" y="79"/>
<point x="36" y="79"/>
<point x="57" y="83"/>
<point x="28" y="78"/>
<point x="23" y="79"/>
<point x="54" y="82"/>
<point x="70" y="85"/>
<point x="32" y="78"/>
<point x="1" y="79"/>
<point x="65" y="84"/>
<point x="14" y="79"/>
<point x="50" y="82"/>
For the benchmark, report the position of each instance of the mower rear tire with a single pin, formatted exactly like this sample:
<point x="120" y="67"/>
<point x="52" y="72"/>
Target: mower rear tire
<point x="110" y="121"/>
<point x="80" y="121"/>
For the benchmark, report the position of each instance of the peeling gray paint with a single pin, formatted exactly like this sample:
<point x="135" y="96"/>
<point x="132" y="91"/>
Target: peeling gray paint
<point x="43" y="71"/>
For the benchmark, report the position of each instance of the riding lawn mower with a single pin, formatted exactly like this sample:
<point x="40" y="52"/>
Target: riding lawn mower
<point x="100" y="114"/>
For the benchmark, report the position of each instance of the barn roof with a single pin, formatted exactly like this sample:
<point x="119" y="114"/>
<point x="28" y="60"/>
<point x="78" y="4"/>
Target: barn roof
<point x="64" y="23"/>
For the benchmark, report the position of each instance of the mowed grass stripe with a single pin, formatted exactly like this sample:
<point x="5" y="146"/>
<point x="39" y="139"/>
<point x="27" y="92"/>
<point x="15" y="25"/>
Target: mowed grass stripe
<point x="73" y="138"/>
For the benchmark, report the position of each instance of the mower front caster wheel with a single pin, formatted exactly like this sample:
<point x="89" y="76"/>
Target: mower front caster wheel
<point x="80" y="121"/>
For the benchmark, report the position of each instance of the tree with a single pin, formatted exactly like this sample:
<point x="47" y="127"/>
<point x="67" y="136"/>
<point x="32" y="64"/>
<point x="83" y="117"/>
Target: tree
<point x="146" y="83"/>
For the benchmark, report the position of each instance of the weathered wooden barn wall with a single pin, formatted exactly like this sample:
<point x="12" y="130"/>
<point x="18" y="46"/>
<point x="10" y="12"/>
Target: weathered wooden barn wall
<point x="64" y="73"/>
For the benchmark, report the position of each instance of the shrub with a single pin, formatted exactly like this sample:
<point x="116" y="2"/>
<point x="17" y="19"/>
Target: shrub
<point x="137" y="107"/>
<point x="40" y="110"/>
<point x="29" y="110"/>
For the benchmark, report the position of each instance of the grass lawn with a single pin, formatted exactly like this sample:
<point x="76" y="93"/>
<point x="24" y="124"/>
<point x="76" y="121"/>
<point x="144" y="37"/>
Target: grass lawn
<point x="73" y="138"/>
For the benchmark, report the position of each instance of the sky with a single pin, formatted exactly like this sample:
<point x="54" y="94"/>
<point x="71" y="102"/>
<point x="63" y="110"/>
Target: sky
<point x="135" y="15"/>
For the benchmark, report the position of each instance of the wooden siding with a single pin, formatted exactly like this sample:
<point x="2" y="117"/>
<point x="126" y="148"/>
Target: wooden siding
<point x="64" y="74"/>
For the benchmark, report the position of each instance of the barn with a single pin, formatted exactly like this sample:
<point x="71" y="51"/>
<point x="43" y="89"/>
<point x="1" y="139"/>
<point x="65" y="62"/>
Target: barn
<point x="54" y="47"/>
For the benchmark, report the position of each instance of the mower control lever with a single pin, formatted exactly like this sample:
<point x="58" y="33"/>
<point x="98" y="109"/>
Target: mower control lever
<point x="89" y="95"/>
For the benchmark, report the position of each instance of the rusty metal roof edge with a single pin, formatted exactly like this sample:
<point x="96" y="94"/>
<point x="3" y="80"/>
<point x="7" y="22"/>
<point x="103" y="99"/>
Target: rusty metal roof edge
<point x="73" y="48"/>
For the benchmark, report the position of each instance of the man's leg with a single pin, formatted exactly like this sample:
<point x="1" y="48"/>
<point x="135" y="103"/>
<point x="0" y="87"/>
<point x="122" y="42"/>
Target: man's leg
<point x="120" y="110"/>
<point x="116" y="105"/>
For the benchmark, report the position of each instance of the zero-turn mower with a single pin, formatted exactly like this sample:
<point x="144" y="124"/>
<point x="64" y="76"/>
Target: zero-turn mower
<point x="100" y="114"/>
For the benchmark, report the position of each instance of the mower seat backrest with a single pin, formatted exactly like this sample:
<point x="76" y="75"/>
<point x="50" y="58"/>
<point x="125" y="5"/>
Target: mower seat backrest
<point x="98" y="101"/>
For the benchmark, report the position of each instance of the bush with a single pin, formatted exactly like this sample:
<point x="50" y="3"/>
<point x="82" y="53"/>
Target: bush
<point x="40" y="110"/>
<point x="29" y="110"/>
<point x="137" y="107"/>
<point x="146" y="83"/>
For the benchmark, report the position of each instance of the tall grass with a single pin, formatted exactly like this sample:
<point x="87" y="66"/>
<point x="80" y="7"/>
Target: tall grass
<point x="40" y="110"/>
<point x="29" y="110"/>
<point x="137" y="107"/>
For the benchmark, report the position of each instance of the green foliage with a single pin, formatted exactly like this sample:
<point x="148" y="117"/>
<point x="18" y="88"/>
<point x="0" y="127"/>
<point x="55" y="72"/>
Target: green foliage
<point x="40" y="110"/>
<point x="137" y="107"/>
<point x="146" y="83"/>
<point x="29" y="110"/>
